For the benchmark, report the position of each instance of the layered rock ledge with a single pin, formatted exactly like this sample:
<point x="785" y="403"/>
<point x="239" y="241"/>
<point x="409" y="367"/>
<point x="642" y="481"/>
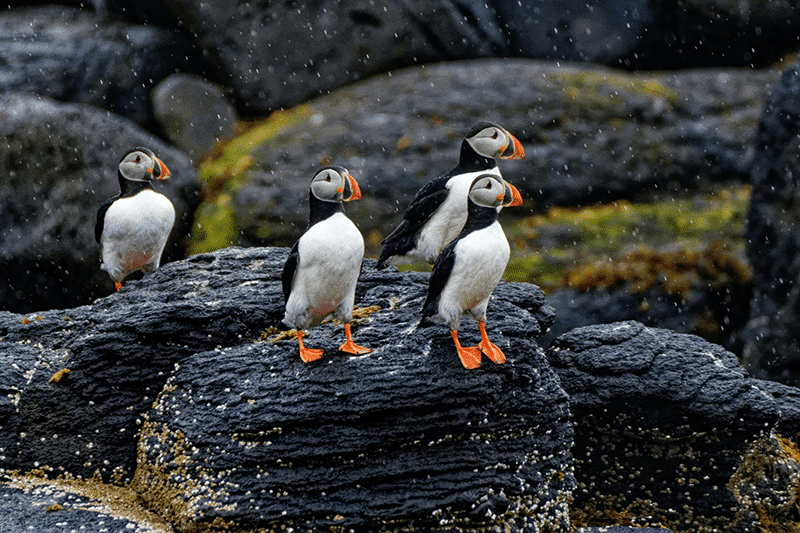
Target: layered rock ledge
<point x="174" y="405"/>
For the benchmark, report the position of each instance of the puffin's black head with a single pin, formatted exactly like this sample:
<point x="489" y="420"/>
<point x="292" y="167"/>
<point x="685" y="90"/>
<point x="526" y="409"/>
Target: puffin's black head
<point x="490" y="140"/>
<point x="141" y="164"/>
<point x="335" y="184"/>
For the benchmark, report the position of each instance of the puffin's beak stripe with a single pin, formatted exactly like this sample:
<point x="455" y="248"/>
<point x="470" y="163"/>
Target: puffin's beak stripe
<point x="516" y="197"/>
<point x="164" y="171"/>
<point x="355" y="191"/>
<point x="519" y="152"/>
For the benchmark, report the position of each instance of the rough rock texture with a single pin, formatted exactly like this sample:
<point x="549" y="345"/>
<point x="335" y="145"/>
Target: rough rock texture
<point x="59" y="163"/>
<point x="193" y="113"/>
<point x="772" y="349"/>
<point x="78" y="56"/>
<point x="650" y="34"/>
<point x="486" y="446"/>
<point x="716" y="309"/>
<point x="590" y="134"/>
<point x="277" y="55"/>
<point x="662" y="422"/>
<point x="34" y="504"/>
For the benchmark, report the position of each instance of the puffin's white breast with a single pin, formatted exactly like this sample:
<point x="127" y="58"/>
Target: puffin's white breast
<point x="480" y="260"/>
<point x="329" y="262"/>
<point x="135" y="230"/>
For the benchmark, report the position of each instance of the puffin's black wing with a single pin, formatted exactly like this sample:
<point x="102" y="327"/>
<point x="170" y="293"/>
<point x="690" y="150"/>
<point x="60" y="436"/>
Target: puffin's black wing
<point x="425" y="203"/>
<point x="441" y="273"/>
<point x="289" y="269"/>
<point x="101" y="217"/>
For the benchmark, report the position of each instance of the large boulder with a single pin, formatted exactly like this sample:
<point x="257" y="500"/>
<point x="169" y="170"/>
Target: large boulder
<point x="772" y="338"/>
<point x="277" y="55"/>
<point x="59" y="163"/>
<point x="78" y="56"/>
<point x="193" y="113"/>
<point x="233" y="430"/>
<point x="664" y="428"/>
<point x="652" y="35"/>
<point x="590" y="134"/>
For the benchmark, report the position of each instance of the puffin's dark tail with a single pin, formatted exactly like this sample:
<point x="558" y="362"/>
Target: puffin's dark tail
<point x="283" y="326"/>
<point x="425" y="322"/>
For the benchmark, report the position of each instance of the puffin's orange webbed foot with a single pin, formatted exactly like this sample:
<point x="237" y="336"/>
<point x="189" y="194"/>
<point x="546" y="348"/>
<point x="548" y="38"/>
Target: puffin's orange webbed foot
<point x="351" y="347"/>
<point x="118" y="285"/>
<point x="307" y="354"/>
<point x="489" y="348"/>
<point x="470" y="357"/>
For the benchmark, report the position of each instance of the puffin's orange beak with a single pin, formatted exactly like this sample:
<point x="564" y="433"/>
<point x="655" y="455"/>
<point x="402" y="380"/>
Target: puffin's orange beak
<point x="355" y="191"/>
<point x="516" y="197"/>
<point x="515" y="151"/>
<point x="164" y="172"/>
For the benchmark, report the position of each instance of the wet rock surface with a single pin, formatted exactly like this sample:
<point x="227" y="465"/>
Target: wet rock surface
<point x="772" y="345"/>
<point x="638" y="134"/>
<point x="663" y="421"/>
<point x="59" y="163"/>
<point x="176" y="101"/>
<point x="74" y="55"/>
<point x="175" y="365"/>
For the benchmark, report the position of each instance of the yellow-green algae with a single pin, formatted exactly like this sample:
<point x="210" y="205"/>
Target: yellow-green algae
<point x="673" y="242"/>
<point x="223" y="171"/>
<point x="115" y="501"/>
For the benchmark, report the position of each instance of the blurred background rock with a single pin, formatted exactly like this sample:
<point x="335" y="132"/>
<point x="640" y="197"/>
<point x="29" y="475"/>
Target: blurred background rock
<point x="642" y="121"/>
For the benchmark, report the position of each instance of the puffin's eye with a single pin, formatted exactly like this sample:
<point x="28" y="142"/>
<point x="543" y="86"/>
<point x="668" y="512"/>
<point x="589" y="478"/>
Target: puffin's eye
<point x="138" y="159"/>
<point x="494" y="135"/>
<point x="488" y="184"/>
<point x="328" y="177"/>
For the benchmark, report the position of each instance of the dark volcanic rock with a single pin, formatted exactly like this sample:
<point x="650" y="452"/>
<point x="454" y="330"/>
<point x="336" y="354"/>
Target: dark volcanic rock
<point x="590" y="134"/>
<point x="176" y="102"/>
<point x="33" y="504"/>
<point x="402" y="434"/>
<point x="277" y="55"/>
<point x="662" y="421"/>
<point x="772" y="349"/>
<point x="59" y="163"/>
<point x="78" y="56"/>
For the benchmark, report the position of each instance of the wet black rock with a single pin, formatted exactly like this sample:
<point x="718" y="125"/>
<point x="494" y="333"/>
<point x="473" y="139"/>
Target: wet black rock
<point x="59" y="163"/>
<point x="590" y="134"/>
<point x="33" y="504"/>
<point x="78" y="56"/>
<point x="772" y="346"/>
<point x="652" y="35"/>
<point x="193" y="113"/>
<point x="277" y="55"/>
<point x="662" y="422"/>
<point x="176" y="364"/>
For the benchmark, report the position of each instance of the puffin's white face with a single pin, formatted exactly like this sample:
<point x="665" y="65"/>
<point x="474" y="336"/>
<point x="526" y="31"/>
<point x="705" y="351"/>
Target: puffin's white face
<point x="139" y="165"/>
<point x="335" y="185"/>
<point x="487" y="191"/>
<point x="494" y="141"/>
<point x="328" y="185"/>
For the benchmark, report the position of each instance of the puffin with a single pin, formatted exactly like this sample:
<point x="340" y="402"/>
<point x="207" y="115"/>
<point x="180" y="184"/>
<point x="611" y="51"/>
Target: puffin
<point x="132" y="228"/>
<point x="439" y="209"/>
<point x="320" y="274"/>
<point x="469" y="268"/>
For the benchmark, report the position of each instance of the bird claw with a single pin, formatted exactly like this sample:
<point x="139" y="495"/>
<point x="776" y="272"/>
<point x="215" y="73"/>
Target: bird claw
<point x="470" y="357"/>
<point x="491" y="351"/>
<point x="353" y="348"/>
<point x="309" y="355"/>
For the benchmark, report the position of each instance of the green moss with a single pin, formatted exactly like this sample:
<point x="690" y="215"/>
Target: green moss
<point x="223" y="172"/>
<point x="564" y="246"/>
<point x="592" y="91"/>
